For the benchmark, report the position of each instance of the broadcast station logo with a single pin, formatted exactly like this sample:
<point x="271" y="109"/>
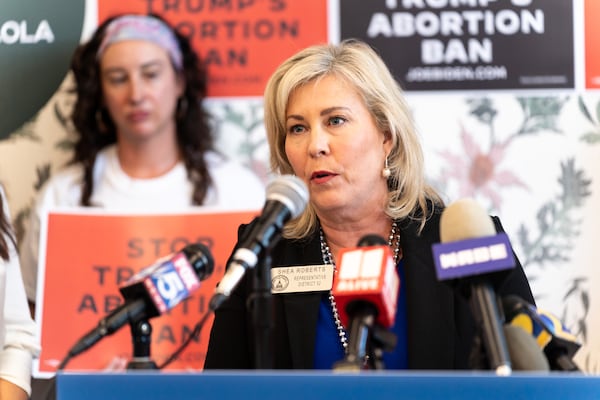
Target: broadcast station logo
<point x="172" y="282"/>
<point x="37" y="40"/>
<point x="473" y="256"/>
<point x="466" y="257"/>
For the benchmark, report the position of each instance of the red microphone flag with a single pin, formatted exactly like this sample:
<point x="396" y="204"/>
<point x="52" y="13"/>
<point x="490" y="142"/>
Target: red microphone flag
<point x="367" y="274"/>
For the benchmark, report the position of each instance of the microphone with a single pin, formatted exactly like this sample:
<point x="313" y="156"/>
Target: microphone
<point x="286" y="198"/>
<point x="366" y="293"/>
<point x="471" y="249"/>
<point x="547" y="331"/>
<point x="153" y="291"/>
<point x="525" y="355"/>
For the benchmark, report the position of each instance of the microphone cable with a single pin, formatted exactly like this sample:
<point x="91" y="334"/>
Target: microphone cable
<point x="192" y="336"/>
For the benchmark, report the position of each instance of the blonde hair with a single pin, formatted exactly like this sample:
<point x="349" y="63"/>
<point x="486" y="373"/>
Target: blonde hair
<point x="359" y="65"/>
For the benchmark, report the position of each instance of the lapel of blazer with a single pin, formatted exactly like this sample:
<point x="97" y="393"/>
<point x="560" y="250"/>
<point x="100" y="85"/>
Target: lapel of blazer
<point x="430" y="304"/>
<point x="301" y="313"/>
<point x="301" y="310"/>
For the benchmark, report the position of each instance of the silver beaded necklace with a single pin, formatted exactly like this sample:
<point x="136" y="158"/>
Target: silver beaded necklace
<point x="393" y="242"/>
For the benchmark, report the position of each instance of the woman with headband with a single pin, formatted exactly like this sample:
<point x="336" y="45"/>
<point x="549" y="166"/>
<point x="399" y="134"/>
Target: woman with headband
<point x="144" y="142"/>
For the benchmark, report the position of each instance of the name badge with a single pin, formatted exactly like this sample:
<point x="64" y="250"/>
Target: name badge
<point x="298" y="279"/>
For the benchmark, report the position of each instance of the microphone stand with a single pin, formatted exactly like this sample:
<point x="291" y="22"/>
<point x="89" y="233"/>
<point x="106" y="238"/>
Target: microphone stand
<point x="141" y="332"/>
<point x="262" y="307"/>
<point x="383" y="340"/>
<point x="489" y="322"/>
<point x="358" y="356"/>
<point x="366" y="341"/>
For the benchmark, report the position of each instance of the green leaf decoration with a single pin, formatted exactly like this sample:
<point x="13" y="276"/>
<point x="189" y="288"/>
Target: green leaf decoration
<point x="541" y="113"/>
<point x="584" y="110"/>
<point x="556" y="226"/>
<point x="591" y="137"/>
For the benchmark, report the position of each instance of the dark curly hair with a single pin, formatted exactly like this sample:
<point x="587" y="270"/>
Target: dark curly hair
<point x="96" y="129"/>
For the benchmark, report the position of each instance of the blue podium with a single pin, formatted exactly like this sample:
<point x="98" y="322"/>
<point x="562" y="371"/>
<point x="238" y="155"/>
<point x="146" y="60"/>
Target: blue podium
<point x="308" y="385"/>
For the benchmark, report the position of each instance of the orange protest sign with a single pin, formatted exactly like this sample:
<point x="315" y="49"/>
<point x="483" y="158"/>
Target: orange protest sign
<point x="88" y="255"/>
<point x="592" y="35"/>
<point x="241" y="43"/>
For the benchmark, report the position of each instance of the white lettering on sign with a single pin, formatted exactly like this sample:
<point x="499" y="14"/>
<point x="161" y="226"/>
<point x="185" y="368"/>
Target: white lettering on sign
<point x="473" y="256"/>
<point x="17" y="32"/>
<point x="456" y="23"/>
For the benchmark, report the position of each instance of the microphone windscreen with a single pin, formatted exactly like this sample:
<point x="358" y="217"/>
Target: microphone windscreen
<point x="525" y="354"/>
<point x="201" y="259"/>
<point x="289" y="190"/>
<point x="465" y="219"/>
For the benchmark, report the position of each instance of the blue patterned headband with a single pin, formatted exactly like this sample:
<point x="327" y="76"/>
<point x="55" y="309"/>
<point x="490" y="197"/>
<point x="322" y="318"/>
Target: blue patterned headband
<point x="142" y="27"/>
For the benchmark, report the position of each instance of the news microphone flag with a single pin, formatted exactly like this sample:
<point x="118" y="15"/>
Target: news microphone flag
<point x="166" y="284"/>
<point x="550" y="334"/>
<point x="543" y="326"/>
<point x="368" y="274"/>
<point x="471" y="257"/>
<point x="152" y="292"/>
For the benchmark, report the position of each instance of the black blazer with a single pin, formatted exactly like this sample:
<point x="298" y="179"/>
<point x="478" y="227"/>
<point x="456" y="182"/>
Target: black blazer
<point x="439" y="321"/>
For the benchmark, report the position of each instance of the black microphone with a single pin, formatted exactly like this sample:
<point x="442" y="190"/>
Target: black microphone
<point x="286" y="198"/>
<point x="471" y="253"/>
<point x="548" y="332"/>
<point x="153" y="291"/>
<point x="366" y="293"/>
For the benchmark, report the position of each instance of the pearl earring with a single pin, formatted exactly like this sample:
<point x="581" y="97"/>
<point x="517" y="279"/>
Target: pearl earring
<point x="386" y="170"/>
